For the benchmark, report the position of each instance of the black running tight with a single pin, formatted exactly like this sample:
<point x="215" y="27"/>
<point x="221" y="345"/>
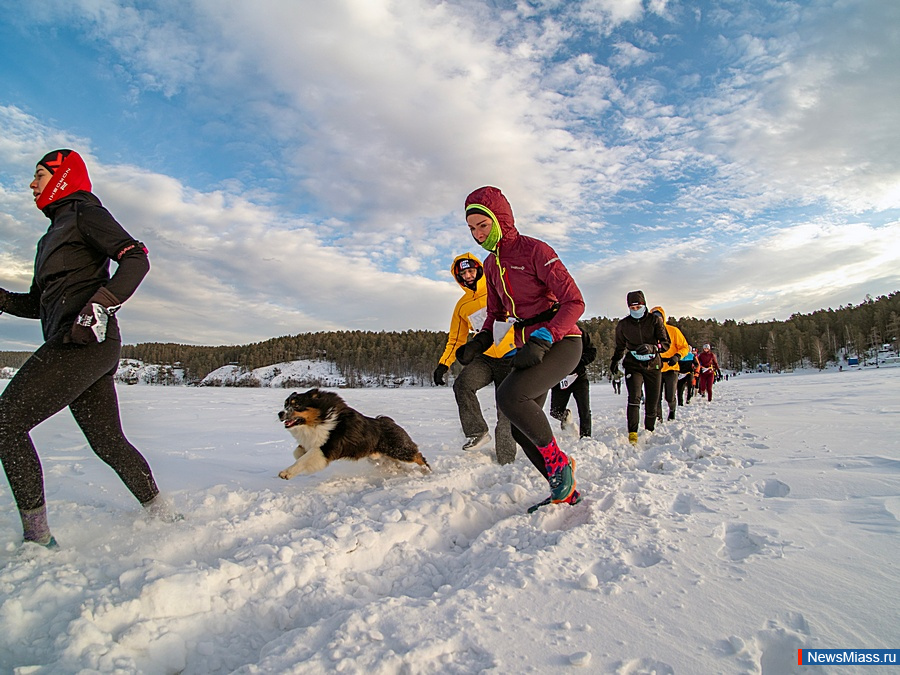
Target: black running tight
<point x="642" y="382"/>
<point x="668" y="390"/>
<point x="80" y="377"/>
<point x="580" y="390"/>
<point x="521" y="397"/>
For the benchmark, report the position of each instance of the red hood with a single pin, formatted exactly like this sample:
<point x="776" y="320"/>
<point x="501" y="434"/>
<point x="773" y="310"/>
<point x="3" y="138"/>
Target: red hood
<point x="492" y="200"/>
<point x="69" y="175"/>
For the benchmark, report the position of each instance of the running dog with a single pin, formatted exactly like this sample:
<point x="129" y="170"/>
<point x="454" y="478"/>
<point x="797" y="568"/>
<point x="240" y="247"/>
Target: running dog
<point x="326" y="428"/>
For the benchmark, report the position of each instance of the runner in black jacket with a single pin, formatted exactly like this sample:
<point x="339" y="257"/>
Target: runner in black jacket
<point x="640" y="337"/>
<point x="75" y="298"/>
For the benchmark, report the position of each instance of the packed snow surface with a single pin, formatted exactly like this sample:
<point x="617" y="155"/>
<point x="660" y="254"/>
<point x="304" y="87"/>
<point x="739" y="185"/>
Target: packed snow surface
<point x="747" y="528"/>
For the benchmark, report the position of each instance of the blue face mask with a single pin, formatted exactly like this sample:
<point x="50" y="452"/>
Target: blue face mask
<point x="638" y="313"/>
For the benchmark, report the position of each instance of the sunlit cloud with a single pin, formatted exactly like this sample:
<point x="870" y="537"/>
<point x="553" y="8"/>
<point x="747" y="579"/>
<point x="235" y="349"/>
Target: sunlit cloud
<point x="299" y="166"/>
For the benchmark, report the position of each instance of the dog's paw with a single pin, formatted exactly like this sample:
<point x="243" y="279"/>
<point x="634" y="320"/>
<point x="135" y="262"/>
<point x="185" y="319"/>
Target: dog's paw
<point x="285" y="474"/>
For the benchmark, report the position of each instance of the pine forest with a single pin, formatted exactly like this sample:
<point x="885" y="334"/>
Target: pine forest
<point x="866" y="331"/>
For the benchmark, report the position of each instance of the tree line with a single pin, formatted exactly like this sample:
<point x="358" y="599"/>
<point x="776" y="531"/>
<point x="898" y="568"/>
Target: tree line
<point x="813" y="339"/>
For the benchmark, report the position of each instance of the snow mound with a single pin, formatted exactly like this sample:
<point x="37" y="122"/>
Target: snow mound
<point x="291" y="375"/>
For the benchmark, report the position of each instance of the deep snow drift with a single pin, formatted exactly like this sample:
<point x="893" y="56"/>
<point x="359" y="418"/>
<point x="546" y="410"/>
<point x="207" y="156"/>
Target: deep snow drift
<point x="754" y="525"/>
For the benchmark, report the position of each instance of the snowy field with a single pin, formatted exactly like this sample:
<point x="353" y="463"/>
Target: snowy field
<point x="755" y="525"/>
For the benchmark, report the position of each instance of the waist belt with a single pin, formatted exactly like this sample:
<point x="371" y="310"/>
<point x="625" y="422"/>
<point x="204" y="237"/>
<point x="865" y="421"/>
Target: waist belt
<point x="546" y="315"/>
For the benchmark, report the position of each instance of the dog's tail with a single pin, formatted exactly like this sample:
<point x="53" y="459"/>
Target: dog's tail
<point x="411" y="453"/>
<point x="419" y="459"/>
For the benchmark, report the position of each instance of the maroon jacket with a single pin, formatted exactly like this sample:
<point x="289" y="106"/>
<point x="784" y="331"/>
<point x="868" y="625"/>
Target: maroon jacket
<point x="525" y="277"/>
<point x="708" y="360"/>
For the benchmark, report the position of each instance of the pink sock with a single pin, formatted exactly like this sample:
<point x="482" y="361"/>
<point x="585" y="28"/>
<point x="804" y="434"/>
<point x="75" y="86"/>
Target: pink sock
<point x="554" y="458"/>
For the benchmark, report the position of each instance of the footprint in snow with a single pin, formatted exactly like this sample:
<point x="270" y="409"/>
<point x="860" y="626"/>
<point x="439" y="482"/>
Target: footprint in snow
<point x="739" y="543"/>
<point x="645" y="665"/>
<point x="773" y="649"/>
<point x="685" y="504"/>
<point x="645" y="558"/>
<point x="774" y="488"/>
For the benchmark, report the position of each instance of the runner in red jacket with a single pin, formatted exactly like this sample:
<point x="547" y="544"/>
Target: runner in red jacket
<point x="530" y="288"/>
<point x="709" y="368"/>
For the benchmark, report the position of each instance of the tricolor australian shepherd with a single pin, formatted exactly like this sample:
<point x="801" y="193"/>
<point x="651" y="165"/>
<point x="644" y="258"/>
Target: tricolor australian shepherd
<point x="326" y="428"/>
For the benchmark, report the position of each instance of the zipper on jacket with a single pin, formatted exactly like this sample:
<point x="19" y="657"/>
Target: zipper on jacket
<point x="506" y="291"/>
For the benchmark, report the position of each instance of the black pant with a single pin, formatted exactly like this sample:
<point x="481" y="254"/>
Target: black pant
<point x="580" y="389"/>
<point x="685" y="383"/>
<point x="668" y="389"/>
<point x="638" y="381"/>
<point x="80" y="377"/>
<point x="523" y="393"/>
<point x="481" y="372"/>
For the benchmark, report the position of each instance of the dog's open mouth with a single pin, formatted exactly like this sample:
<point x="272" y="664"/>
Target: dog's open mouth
<point x="294" y="421"/>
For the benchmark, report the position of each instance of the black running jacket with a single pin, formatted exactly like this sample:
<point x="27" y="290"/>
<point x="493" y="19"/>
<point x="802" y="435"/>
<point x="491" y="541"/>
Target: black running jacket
<point x="72" y="262"/>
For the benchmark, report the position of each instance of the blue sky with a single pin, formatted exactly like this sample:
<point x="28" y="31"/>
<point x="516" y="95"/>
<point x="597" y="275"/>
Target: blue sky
<point x="299" y="166"/>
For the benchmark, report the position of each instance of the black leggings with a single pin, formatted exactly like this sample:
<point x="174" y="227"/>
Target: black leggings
<point x="580" y="390"/>
<point x="648" y="382"/>
<point x="685" y="383"/>
<point x="80" y="377"/>
<point x="521" y="397"/>
<point x="669" y="391"/>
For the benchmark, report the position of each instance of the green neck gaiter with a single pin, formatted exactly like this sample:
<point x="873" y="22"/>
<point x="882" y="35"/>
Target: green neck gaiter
<point x="490" y="244"/>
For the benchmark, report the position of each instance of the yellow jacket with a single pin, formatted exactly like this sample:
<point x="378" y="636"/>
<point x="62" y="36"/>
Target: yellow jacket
<point x="469" y="316"/>
<point x="678" y="343"/>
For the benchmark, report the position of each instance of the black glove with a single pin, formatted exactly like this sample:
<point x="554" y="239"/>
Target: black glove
<point x="614" y="368"/>
<point x="439" y="373"/>
<point x="90" y="325"/>
<point x="477" y="345"/>
<point x="531" y="353"/>
<point x="673" y="360"/>
<point x="645" y="349"/>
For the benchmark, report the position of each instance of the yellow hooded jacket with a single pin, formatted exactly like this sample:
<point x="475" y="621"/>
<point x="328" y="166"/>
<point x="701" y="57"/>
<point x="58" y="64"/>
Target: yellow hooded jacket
<point x="679" y="344"/>
<point x="469" y="316"/>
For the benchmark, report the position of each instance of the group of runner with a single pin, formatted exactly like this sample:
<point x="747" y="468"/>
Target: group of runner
<point x="659" y="365"/>
<point x="521" y="304"/>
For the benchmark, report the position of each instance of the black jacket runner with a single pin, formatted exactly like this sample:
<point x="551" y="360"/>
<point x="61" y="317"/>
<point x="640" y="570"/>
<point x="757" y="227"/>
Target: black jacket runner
<point x="631" y="333"/>
<point x="72" y="262"/>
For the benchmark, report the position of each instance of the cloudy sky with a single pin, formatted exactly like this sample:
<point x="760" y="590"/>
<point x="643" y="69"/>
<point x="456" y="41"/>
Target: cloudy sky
<point x="297" y="165"/>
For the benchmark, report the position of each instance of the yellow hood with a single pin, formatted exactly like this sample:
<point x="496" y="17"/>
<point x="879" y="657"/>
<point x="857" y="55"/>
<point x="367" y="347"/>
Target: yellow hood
<point x="478" y="278"/>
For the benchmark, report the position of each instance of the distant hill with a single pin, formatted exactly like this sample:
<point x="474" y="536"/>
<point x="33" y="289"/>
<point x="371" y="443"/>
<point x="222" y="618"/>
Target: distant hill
<point x="302" y="374"/>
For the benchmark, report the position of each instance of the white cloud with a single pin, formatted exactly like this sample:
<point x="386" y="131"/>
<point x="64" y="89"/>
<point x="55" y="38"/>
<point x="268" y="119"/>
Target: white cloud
<point x="810" y="117"/>
<point x="629" y="55"/>
<point x="801" y="268"/>
<point x="382" y="116"/>
<point x="224" y="269"/>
